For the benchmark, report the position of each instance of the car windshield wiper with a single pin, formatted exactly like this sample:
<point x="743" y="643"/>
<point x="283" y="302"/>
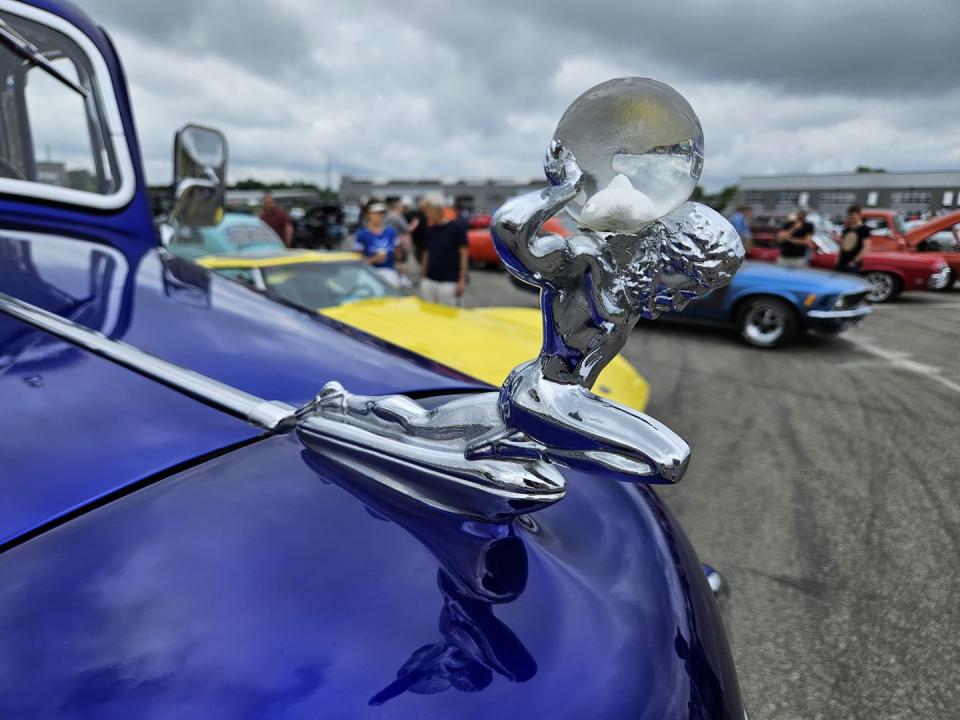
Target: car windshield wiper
<point x="28" y="51"/>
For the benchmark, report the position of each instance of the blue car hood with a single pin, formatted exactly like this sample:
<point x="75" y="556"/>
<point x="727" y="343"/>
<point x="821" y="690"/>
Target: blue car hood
<point x="268" y="583"/>
<point x="76" y="427"/>
<point x="820" y="281"/>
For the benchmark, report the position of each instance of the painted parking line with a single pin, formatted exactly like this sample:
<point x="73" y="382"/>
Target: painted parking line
<point x="952" y="305"/>
<point x="899" y="361"/>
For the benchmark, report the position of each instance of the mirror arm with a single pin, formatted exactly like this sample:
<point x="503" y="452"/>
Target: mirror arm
<point x="184" y="192"/>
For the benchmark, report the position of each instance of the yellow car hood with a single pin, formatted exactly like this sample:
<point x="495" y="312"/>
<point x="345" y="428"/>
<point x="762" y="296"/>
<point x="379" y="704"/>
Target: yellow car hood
<point x="486" y="343"/>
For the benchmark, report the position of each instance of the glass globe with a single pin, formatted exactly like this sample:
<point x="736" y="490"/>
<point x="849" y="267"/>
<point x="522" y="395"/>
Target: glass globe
<point x="639" y="145"/>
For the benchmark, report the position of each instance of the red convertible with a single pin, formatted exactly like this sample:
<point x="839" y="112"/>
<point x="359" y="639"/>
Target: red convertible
<point x="890" y="272"/>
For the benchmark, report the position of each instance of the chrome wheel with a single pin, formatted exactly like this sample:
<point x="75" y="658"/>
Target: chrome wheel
<point x="884" y="286"/>
<point x="767" y="323"/>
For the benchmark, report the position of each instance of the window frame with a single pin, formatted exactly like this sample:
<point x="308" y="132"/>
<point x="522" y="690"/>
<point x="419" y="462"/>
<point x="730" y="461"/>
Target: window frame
<point x="111" y="119"/>
<point x="910" y="197"/>
<point x="837" y="197"/>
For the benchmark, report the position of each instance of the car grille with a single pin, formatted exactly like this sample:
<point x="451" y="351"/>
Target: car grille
<point x="851" y="300"/>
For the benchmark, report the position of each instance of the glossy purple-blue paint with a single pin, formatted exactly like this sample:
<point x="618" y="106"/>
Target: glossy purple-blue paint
<point x="265" y="582"/>
<point x="268" y="583"/>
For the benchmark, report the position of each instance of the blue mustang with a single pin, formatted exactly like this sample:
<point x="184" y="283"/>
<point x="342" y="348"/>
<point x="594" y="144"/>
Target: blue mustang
<point x="769" y="305"/>
<point x="170" y="547"/>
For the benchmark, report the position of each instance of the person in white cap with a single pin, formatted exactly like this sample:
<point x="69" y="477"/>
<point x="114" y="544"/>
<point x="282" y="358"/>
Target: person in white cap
<point x="377" y="241"/>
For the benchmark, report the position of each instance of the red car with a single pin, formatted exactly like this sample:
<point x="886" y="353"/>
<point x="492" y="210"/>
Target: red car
<point x="891" y="233"/>
<point x="890" y="272"/>
<point x="482" y="251"/>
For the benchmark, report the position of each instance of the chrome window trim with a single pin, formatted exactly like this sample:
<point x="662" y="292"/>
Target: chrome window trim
<point x="111" y="110"/>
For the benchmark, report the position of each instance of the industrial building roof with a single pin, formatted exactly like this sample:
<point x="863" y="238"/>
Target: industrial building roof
<point x="445" y="181"/>
<point x="852" y="181"/>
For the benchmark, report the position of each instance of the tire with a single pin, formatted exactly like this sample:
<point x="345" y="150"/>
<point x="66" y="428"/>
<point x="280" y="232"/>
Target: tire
<point x="767" y="322"/>
<point x="886" y="286"/>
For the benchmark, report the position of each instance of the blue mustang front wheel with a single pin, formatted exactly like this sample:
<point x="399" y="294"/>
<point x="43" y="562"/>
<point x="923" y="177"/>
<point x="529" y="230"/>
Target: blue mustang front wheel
<point x="767" y="322"/>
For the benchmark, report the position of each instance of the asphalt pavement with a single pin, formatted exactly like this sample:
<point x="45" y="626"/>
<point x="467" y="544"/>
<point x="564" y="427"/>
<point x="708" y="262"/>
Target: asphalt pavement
<point x="825" y="486"/>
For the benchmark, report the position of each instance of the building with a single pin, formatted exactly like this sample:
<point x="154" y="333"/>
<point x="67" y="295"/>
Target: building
<point x="471" y="194"/>
<point x="908" y="192"/>
<point x="247" y="200"/>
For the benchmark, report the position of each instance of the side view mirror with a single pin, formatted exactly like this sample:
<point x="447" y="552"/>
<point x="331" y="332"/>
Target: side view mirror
<point x="200" y="172"/>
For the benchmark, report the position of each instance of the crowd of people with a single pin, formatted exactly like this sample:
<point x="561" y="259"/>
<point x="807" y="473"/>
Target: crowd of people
<point x="795" y="237"/>
<point x="424" y="246"/>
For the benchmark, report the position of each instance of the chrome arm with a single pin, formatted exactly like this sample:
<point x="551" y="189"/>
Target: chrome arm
<point x="516" y="224"/>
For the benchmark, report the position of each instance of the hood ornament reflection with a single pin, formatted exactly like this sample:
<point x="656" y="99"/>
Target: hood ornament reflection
<point x="623" y="162"/>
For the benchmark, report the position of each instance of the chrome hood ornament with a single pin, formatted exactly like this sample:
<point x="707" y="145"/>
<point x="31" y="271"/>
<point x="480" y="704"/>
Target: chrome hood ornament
<point x="624" y="160"/>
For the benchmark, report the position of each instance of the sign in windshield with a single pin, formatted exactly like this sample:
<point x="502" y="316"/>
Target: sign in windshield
<point x="246" y="235"/>
<point x="825" y="243"/>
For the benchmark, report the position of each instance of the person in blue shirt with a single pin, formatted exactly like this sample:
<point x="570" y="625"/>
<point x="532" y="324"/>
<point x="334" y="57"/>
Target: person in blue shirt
<point x="741" y="223"/>
<point x="377" y="241"/>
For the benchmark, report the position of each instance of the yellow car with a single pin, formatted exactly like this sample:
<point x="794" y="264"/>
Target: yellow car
<point x="485" y="343"/>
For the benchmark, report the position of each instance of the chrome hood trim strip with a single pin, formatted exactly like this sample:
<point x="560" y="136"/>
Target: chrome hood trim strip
<point x="269" y="415"/>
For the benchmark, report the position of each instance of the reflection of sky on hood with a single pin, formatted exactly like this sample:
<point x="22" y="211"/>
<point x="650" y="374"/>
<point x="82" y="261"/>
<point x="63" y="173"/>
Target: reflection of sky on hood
<point x="65" y="264"/>
<point x="248" y="587"/>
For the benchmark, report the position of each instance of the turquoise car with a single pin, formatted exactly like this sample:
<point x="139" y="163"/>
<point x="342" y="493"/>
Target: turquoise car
<point x="236" y="234"/>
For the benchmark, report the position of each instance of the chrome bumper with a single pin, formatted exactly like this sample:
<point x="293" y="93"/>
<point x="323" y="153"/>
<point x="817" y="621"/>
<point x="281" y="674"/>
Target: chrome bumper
<point x="939" y="280"/>
<point x="852" y="313"/>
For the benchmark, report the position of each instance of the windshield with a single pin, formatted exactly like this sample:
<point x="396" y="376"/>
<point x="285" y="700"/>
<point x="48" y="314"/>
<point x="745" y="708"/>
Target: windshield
<point x="900" y="224"/>
<point x="825" y="243"/>
<point x="326" y="284"/>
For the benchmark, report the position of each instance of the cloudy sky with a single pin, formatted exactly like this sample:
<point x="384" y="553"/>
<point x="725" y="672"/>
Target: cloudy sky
<point x="456" y="87"/>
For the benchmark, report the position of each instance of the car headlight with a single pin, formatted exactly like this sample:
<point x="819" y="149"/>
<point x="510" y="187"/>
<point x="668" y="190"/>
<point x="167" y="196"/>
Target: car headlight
<point x="848" y="300"/>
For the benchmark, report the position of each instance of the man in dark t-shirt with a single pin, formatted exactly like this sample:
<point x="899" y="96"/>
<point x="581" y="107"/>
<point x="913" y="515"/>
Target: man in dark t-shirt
<point x="277" y="218"/>
<point x="794" y="238"/>
<point x="445" y="255"/>
<point x="418" y="230"/>
<point x="854" y="241"/>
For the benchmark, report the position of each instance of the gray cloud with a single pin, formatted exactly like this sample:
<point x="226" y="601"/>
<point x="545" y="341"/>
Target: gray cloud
<point x="860" y="46"/>
<point x="454" y="87"/>
<point x="262" y="38"/>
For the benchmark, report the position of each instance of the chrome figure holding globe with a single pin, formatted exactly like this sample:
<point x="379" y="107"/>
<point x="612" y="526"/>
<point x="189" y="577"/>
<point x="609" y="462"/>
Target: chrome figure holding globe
<point x="624" y="160"/>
